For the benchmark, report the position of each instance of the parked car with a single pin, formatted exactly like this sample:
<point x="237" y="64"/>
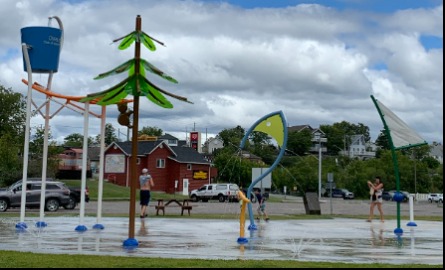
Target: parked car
<point x="405" y="195"/>
<point x="435" y="197"/>
<point x="387" y="196"/>
<point x="75" y="197"/>
<point x="340" y="193"/>
<point x="347" y="195"/>
<point x="74" y="194"/>
<point x="222" y="192"/>
<point x="57" y="194"/>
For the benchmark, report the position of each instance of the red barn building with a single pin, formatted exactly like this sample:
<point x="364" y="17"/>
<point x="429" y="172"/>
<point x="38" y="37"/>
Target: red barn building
<point x="70" y="164"/>
<point x="173" y="168"/>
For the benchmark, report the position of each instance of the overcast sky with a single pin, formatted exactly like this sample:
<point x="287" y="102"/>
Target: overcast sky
<point x="317" y="61"/>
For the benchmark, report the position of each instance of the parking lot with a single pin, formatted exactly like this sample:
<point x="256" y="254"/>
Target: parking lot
<point x="287" y="206"/>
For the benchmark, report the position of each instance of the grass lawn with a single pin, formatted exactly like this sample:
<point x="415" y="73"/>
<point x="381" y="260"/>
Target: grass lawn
<point x="15" y="259"/>
<point x="112" y="192"/>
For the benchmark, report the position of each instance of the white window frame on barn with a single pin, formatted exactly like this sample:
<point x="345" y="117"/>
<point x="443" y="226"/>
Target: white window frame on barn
<point x="160" y="163"/>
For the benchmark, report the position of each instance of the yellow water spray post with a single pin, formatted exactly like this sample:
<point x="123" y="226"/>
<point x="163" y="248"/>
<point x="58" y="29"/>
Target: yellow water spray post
<point x="242" y="218"/>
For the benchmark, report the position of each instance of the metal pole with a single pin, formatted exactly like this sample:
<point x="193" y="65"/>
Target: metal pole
<point x="415" y="172"/>
<point x="27" y="128"/>
<point x="134" y="141"/>
<point x="319" y="168"/>
<point x="101" y="166"/>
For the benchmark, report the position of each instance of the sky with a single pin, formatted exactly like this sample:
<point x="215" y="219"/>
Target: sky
<point x="317" y="61"/>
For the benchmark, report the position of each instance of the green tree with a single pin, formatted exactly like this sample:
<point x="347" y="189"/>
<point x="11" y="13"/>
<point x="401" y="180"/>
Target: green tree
<point x="262" y="146"/>
<point x="76" y="140"/>
<point x="232" y="137"/>
<point x="233" y="168"/>
<point x="10" y="163"/>
<point x="382" y="142"/>
<point x="339" y="135"/>
<point x="299" y="142"/>
<point x="12" y="115"/>
<point x="151" y="131"/>
<point x="110" y="135"/>
<point x="36" y="147"/>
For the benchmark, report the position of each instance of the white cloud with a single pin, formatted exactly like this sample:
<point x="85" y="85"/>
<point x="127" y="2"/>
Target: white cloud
<point x="314" y="63"/>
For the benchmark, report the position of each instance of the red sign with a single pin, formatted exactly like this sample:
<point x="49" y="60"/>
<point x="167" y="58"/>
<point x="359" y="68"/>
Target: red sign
<point x="194" y="136"/>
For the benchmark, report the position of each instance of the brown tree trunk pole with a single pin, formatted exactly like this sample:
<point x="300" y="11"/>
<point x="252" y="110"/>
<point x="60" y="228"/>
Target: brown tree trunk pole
<point x="134" y="141"/>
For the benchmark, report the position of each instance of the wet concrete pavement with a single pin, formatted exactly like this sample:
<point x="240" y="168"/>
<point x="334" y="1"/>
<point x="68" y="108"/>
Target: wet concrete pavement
<point x="333" y="240"/>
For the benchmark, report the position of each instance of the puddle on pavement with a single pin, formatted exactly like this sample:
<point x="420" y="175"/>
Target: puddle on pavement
<point x="337" y="240"/>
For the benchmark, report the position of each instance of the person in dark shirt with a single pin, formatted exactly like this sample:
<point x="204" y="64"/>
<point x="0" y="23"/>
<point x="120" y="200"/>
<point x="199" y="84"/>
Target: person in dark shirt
<point x="261" y="205"/>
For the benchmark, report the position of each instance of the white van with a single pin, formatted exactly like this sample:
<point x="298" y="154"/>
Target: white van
<point x="222" y="192"/>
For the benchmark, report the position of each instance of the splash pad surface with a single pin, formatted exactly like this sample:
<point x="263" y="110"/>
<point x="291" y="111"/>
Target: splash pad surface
<point x="332" y="240"/>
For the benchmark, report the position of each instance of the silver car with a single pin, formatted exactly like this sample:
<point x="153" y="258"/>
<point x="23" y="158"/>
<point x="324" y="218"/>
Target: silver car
<point x="57" y="194"/>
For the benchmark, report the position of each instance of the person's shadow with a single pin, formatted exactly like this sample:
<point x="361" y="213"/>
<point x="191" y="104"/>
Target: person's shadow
<point x="377" y="238"/>
<point x="143" y="231"/>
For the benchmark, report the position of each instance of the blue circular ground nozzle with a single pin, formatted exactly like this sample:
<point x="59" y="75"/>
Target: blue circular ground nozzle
<point x="81" y="228"/>
<point x="41" y="224"/>
<point x="98" y="227"/>
<point x="411" y="224"/>
<point x="130" y="243"/>
<point x="398" y="231"/>
<point x="21" y="226"/>
<point x="398" y="196"/>
<point x="242" y="240"/>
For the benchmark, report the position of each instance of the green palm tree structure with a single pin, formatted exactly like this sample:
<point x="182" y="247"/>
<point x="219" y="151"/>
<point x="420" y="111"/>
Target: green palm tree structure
<point x="135" y="84"/>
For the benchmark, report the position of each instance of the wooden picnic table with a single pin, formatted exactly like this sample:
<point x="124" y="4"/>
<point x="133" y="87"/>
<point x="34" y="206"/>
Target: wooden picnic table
<point x="184" y="206"/>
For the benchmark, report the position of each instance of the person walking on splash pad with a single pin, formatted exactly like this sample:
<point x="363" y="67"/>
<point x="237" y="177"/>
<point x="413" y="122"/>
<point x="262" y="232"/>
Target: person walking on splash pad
<point x="376" y="191"/>
<point x="261" y="205"/>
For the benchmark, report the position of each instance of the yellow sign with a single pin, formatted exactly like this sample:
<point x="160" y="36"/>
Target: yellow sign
<point x="200" y="175"/>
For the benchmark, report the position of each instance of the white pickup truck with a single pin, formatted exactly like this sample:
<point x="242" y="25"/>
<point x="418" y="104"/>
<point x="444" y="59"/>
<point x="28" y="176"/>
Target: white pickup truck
<point x="221" y="192"/>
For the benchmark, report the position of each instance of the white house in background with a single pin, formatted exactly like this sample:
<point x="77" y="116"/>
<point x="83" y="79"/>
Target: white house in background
<point x="360" y="149"/>
<point x="212" y="144"/>
<point x="437" y="151"/>
<point x="318" y="137"/>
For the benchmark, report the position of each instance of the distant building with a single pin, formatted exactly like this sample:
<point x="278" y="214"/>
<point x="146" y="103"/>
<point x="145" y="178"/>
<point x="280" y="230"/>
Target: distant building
<point x="70" y="164"/>
<point x="212" y="144"/>
<point x="437" y="152"/>
<point x="318" y="137"/>
<point x="359" y="148"/>
<point x="174" y="168"/>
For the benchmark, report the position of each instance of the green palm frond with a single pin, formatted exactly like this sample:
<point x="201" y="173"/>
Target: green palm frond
<point x="130" y="86"/>
<point x="147" y="41"/>
<point x="152" y="38"/>
<point x="127" y="40"/>
<point x="150" y="67"/>
<point x="131" y="71"/>
<point x="153" y="95"/>
<point x="124" y="67"/>
<point x="166" y="93"/>
<point x="113" y="97"/>
<point x="100" y="95"/>
<point x="140" y="36"/>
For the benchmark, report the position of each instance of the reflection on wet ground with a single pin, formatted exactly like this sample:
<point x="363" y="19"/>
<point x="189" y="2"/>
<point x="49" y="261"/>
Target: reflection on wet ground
<point x="336" y="240"/>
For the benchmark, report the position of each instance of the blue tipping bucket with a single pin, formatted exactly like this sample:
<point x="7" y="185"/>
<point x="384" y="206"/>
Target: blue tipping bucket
<point x="43" y="48"/>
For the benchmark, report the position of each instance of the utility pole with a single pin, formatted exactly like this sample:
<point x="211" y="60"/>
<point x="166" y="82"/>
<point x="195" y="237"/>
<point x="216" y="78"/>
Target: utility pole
<point x="318" y="137"/>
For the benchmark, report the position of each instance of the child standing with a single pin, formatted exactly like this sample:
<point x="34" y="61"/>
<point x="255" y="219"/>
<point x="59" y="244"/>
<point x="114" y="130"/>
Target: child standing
<point x="261" y="205"/>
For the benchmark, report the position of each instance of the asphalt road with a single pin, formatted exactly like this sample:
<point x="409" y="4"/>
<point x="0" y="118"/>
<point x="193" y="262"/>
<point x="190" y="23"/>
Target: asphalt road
<point x="288" y="206"/>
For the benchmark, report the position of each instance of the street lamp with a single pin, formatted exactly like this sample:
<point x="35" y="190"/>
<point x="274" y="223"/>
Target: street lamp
<point x="318" y="137"/>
